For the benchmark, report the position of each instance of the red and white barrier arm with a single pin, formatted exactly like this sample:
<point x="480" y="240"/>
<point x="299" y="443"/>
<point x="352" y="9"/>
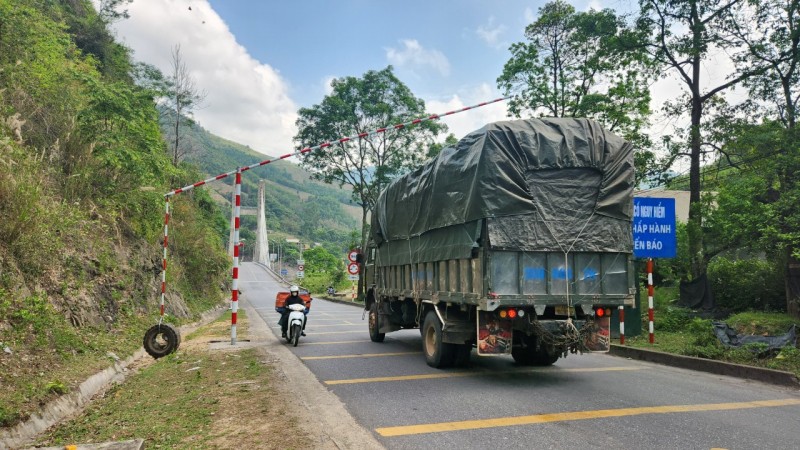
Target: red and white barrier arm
<point x="330" y="143"/>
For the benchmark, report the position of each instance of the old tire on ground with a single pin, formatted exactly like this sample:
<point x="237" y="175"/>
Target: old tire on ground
<point x="437" y="353"/>
<point x="296" y="331"/>
<point x="374" y="336"/>
<point x="161" y="340"/>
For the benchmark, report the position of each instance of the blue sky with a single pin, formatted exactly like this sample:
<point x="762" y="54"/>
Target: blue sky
<point x="260" y="61"/>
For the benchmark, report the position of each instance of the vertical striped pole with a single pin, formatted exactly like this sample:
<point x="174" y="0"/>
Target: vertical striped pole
<point x="164" y="260"/>
<point x="235" y="284"/>
<point x="621" y="325"/>
<point x="650" y="296"/>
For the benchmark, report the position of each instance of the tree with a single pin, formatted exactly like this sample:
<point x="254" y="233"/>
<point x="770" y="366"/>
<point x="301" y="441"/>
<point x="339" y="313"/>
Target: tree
<point x="684" y="34"/>
<point x="758" y="207"/>
<point x="358" y="106"/>
<point x="183" y="98"/>
<point x="581" y="64"/>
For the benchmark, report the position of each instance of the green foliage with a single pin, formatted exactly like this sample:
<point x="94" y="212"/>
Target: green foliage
<point x="82" y="206"/>
<point x="705" y="344"/>
<point x="672" y="319"/>
<point x="761" y="323"/>
<point x="56" y="387"/>
<point x="745" y="284"/>
<point x="360" y="105"/>
<point x="581" y="64"/>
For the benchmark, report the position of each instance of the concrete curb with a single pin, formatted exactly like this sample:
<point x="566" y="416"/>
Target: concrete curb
<point x="763" y="375"/>
<point x="68" y="405"/>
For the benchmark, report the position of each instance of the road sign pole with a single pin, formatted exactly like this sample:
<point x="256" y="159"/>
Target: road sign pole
<point x="650" y="297"/>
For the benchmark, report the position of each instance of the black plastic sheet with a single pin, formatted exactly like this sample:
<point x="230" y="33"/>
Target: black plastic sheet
<point x="728" y="337"/>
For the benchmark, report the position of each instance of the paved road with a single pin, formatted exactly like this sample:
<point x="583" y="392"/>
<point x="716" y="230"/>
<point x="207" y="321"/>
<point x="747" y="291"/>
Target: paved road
<point x="582" y="401"/>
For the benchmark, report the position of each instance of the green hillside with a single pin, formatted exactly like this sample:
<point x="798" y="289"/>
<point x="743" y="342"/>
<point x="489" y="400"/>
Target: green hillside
<point x="297" y="206"/>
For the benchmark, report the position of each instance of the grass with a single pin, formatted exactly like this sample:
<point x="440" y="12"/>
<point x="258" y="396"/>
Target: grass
<point x="194" y="398"/>
<point x="49" y="356"/>
<point x="681" y="334"/>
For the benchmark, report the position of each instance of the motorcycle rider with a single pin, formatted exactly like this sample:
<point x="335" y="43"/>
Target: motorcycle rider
<point x="293" y="299"/>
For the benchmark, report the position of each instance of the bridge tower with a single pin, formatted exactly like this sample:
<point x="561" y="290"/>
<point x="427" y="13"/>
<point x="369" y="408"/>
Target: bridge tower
<point x="262" y="244"/>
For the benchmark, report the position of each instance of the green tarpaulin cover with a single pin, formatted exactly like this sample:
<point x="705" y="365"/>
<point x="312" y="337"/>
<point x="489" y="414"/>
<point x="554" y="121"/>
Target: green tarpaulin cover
<point x="539" y="185"/>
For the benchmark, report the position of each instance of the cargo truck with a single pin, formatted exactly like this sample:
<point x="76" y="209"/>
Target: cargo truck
<point x="517" y="241"/>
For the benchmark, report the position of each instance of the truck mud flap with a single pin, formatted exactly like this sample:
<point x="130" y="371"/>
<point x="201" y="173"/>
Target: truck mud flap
<point x="598" y="339"/>
<point x="494" y="334"/>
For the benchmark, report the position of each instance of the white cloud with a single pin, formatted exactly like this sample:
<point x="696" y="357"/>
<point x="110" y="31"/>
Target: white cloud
<point x="595" y="5"/>
<point x="491" y="33"/>
<point x="326" y="85"/>
<point x="246" y="101"/>
<point x="413" y="55"/>
<point x="462" y="123"/>
<point x="529" y="15"/>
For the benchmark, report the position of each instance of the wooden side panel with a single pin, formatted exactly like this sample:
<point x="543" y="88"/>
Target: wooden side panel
<point x="453" y="275"/>
<point x="477" y="276"/>
<point x="465" y="275"/>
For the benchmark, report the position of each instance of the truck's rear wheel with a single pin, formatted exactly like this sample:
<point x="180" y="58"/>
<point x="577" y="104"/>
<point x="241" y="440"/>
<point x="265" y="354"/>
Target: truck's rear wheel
<point x="437" y="353"/>
<point x="374" y="336"/>
<point x="462" y="354"/>
<point x="529" y="355"/>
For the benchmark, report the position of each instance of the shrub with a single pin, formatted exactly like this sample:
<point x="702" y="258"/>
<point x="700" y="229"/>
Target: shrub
<point x="747" y="284"/>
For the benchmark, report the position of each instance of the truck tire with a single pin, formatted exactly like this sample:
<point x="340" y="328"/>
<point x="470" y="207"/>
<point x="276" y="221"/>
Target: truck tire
<point x="374" y="336"/>
<point x="437" y="353"/>
<point x="462" y="355"/>
<point x="295" y="334"/>
<point x="529" y="355"/>
<point x="161" y="340"/>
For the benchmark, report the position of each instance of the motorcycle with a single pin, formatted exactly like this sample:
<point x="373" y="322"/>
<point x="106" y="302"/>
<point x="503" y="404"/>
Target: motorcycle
<point x="296" y="321"/>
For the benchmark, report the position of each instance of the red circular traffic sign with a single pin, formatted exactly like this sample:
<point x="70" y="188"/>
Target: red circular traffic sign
<point x="352" y="256"/>
<point x="300" y="267"/>
<point x="352" y="268"/>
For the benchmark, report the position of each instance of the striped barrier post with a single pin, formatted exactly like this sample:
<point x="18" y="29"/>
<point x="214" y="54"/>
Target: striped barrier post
<point x="235" y="283"/>
<point x="238" y="172"/>
<point x="164" y="261"/>
<point x="621" y="325"/>
<point x="650" y="297"/>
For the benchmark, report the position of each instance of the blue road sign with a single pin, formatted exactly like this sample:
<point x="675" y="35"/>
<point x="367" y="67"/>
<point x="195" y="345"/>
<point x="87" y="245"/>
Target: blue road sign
<point x="654" y="227"/>
<point x="284" y="271"/>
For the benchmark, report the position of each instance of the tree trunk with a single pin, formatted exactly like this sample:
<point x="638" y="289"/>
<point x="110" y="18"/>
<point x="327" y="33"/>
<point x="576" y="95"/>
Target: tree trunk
<point x="792" y="284"/>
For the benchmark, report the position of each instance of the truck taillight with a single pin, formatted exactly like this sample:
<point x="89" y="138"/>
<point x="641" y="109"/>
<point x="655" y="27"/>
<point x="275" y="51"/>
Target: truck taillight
<point x="602" y="312"/>
<point x="511" y="313"/>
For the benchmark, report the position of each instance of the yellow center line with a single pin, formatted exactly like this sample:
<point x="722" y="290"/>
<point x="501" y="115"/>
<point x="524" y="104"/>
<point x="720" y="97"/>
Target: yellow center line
<point x="428" y="376"/>
<point x="577" y="415"/>
<point x="365" y="355"/>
